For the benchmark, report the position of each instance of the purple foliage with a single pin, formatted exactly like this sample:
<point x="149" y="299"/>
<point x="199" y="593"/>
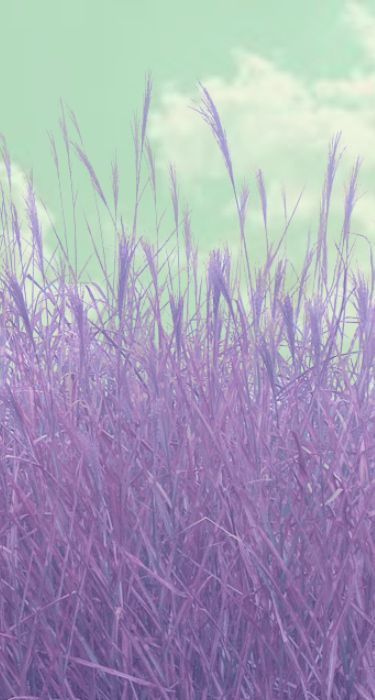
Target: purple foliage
<point x="190" y="513"/>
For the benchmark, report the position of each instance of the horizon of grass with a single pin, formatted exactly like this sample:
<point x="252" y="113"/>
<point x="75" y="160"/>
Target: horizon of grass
<point x="187" y="469"/>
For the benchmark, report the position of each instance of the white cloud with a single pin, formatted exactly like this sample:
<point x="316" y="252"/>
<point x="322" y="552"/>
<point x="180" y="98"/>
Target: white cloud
<point x="276" y="121"/>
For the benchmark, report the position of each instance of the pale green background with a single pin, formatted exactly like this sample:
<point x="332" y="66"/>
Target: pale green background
<point x="308" y="71"/>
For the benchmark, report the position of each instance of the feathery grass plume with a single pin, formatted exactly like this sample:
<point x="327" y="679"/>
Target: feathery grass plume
<point x="125" y="255"/>
<point x="333" y="162"/>
<point x="177" y="316"/>
<point x="67" y="143"/>
<point x="146" y="108"/>
<point x="315" y="310"/>
<point x="263" y="199"/>
<point x="362" y="300"/>
<point x="57" y="168"/>
<point x="84" y="159"/>
<point x="139" y="145"/>
<point x="269" y="362"/>
<point x="278" y="284"/>
<point x="350" y="202"/>
<point x="16" y="229"/>
<point x="151" y="162"/>
<point x="175" y="203"/>
<point x="303" y="278"/>
<point x="150" y="258"/>
<point x="34" y="222"/>
<point x="115" y="184"/>
<point x="210" y="115"/>
<point x="16" y="293"/>
<point x="242" y="206"/>
<point x="74" y="121"/>
<point x="288" y="313"/>
<point x="259" y="297"/>
<point x="214" y="280"/>
<point x="365" y="309"/>
<point x="187" y="237"/>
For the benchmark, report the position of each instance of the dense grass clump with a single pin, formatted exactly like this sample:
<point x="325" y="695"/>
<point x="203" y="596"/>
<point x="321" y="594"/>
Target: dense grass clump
<point x="187" y="468"/>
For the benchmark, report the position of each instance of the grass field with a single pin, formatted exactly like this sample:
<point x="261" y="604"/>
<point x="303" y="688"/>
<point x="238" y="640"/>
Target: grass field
<point x="187" y="463"/>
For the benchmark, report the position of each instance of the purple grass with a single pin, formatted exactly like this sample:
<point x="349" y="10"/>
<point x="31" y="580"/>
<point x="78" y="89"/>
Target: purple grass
<point x="187" y="504"/>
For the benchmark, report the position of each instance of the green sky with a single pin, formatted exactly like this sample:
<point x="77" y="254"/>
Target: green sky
<point x="285" y="77"/>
